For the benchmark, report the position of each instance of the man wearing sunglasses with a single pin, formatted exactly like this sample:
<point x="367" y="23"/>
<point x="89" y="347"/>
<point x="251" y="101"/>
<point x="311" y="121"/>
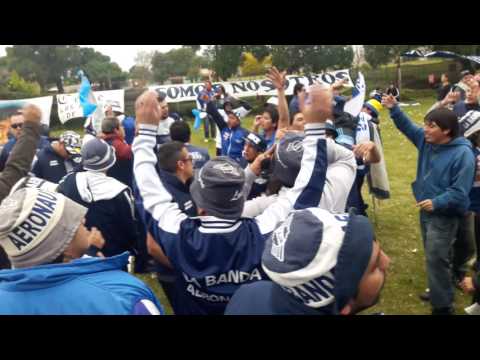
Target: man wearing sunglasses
<point x="16" y="125"/>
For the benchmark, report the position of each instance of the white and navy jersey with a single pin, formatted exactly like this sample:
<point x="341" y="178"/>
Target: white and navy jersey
<point x="110" y="207"/>
<point x="339" y="180"/>
<point x="215" y="256"/>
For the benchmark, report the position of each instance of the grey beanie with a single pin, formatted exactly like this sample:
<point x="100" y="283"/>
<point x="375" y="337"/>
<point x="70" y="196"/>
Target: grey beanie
<point x="97" y="155"/>
<point x="37" y="226"/>
<point x="218" y="188"/>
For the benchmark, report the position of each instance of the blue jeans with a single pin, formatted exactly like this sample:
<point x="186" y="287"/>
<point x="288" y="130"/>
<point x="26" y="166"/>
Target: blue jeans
<point x="439" y="233"/>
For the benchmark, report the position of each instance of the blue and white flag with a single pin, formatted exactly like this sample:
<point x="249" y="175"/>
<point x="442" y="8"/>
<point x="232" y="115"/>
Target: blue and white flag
<point x="87" y="100"/>
<point x="355" y="104"/>
<point x="91" y="110"/>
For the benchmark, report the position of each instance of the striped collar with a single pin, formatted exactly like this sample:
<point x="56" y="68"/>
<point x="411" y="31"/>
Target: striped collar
<point x="212" y="224"/>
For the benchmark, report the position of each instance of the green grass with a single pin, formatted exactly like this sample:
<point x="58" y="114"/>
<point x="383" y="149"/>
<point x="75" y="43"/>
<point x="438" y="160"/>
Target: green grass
<point x="396" y="221"/>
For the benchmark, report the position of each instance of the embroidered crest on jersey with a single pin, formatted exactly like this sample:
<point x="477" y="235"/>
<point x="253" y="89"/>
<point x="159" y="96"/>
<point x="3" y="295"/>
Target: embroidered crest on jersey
<point x="279" y="238"/>
<point x="227" y="169"/>
<point x="295" y="146"/>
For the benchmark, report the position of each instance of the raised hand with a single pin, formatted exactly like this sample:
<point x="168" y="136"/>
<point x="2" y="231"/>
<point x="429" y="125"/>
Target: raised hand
<point x="147" y="109"/>
<point x="389" y="101"/>
<point x="277" y="78"/>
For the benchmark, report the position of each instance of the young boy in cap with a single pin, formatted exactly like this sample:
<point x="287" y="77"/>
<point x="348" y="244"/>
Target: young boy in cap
<point x="44" y="237"/>
<point x="218" y="251"/>
<point x="233" y="134"/>
<point x="319" y="263"/>
<point x="109" y="202"/>
<point x="254" y="146"/>
<point x="59" y="158"/>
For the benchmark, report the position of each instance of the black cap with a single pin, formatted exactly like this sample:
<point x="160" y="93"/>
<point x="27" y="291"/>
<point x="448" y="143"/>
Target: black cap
<point x="257" y="141"/>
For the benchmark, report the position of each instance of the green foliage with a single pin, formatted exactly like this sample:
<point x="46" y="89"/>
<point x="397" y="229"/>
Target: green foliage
<point x="259" y="51"/>
<point x="47" y="64"/>
<point x="377" y="55"/>
<point x="18" y="84"/>
<point x="251" y="66"/>
<point x="311" y="58"/>
<point x="177" y="62"/>
<point x="225" y="59"/>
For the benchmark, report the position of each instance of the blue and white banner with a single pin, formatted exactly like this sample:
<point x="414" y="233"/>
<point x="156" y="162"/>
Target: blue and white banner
<point x="69" y="106"/>
<point x="248" y="88"/>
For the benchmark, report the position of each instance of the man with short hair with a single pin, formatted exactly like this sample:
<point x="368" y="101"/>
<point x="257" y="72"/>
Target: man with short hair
<point x="163" y="132"/>
<point x="59" y="158"/>
<point x="219" y="250"/>
<point x="16" y="125"/>
<point x="175" y="169"/>
<point x="109" y="202"/>
<point x="319" y="263"/>
<point x="114" y="135"/>
<point x="49" y="276"/>
<point x="180" y="131"/>
<point x="445" y="176"/>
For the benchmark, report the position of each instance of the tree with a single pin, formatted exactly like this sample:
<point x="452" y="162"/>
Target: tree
<point x="225" y="59"/>
<point x="42" y="63"/>
<point x="259" y="51"/>
<point x="382" y="54"/>
<point x="288" y="57"/>
<point x="176" y="62"/>
<point x="140" y="73"/>
<point x="195" y="48"/>
<point x="251" y="66"/>
<point x="311" y="58"/>
<point x="144" y="59"/>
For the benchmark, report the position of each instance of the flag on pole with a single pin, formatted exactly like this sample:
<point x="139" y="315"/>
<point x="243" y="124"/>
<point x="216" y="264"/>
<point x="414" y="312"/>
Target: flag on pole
<point x="355" y="104"/>
<point x="91" y="110"/>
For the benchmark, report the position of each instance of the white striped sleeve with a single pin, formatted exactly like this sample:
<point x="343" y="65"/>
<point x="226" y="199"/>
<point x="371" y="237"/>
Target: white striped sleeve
<point x="309" y="184"/>
<point x="156" y="199"/>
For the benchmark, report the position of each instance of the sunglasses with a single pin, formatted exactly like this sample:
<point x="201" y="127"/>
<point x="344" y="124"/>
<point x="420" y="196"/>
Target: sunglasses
<point x="16" y="126"/>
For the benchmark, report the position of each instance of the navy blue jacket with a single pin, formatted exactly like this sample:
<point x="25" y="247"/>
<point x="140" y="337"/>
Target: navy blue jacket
<point x="110" y="208"/>
<point x="52" y="167"/>
<point x="7" y="149"/>
<point x="123" y="168"/>
<point x="233" y="140"/>
<point x="215" y="256"/>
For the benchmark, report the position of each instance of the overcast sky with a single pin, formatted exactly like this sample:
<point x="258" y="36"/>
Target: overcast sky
<point x="123" y="55"/>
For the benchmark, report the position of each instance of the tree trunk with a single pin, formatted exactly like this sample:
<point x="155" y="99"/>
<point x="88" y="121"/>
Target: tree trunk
<point x="399" y="74"/>
<point x="60" y="85"/>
